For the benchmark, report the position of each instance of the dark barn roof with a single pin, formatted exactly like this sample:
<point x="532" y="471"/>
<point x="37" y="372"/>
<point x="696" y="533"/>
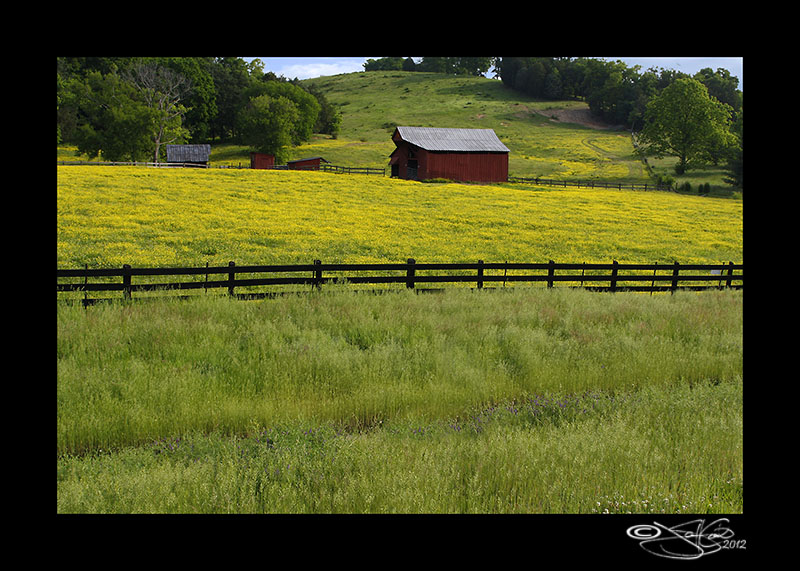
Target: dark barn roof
<point x="188" y="153"/>
<point x="446" y="139"/>
<point x="307" y="159"/>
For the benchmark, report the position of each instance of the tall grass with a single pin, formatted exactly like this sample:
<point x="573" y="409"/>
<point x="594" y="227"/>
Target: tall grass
<point x="658" y="450"/>
<point x="128" y="374"/>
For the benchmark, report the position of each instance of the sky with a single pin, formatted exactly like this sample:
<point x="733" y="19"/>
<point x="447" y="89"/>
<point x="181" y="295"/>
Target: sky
<point x="308" y="67"/>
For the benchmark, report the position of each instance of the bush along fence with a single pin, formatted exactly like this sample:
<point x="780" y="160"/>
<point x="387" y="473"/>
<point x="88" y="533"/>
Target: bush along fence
<point x="613" y="277"/>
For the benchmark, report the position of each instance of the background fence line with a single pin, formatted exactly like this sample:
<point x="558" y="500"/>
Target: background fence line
<point x="616" y="275"/>
<point x="589" y="184"/>
<point x="371" y="170"/>
<point x="322" y="167"/>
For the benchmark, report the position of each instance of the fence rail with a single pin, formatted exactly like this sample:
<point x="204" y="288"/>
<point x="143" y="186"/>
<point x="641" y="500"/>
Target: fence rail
<point x="323" y="167"/>
<point x="327" y="167"/>
<point x="589" y="184"/>
<point x="619" y="277"/>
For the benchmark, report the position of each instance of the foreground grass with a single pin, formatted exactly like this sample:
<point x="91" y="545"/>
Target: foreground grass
<point x="656" y="450"/>
<point x="533" y="400"/>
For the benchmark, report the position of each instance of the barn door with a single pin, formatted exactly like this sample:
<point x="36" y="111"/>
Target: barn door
<point x="411" y="169"/>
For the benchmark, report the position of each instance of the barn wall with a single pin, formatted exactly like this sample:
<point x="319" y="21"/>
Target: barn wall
<point x="475" y="167"/>
<point x="401" y="159"/>
<point x="304" y="165"/>
<point x="261" y="161"/>
<point x="453" y="165"/>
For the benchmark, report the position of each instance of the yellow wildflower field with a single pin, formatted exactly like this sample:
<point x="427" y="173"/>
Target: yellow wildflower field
<point x="148" y="217"/>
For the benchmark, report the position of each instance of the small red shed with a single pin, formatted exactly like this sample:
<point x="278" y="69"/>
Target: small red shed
<point x="469" y="155"/>
<point x="261" y="161"/>
<point x="311" y="163"/>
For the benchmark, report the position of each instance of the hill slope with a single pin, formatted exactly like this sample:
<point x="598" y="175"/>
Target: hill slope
<point x="542" y="141"/>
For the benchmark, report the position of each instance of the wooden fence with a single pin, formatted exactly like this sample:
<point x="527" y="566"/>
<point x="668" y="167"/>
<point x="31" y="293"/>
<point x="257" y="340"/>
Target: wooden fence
<point x="619" y="277"/>
<point x="589" y="184"/>
<point x="327" y="167"/>
<point x="134" y="164"/>
<point x="323" y="167"/>
<point x="370" y="170"/>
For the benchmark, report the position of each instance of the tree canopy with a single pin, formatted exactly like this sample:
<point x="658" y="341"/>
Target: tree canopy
<point x="630" y="97"/>
<point x="685" y="122"/>
<point x="128" y="108"/>
<point x="448" y="65"/>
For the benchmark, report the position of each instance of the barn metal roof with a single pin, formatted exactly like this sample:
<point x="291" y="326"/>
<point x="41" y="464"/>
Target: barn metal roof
<point x="188" y="153"/>
<point x="447" y="139"/>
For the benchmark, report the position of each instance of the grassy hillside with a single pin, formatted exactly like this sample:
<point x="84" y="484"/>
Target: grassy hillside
<point x="528" y="401"/>
<point x="373" y="103"/>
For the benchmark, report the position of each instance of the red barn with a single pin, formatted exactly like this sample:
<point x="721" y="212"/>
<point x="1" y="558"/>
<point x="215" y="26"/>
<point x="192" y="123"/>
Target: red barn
<point x="474" y="155"/>
<point x="261" y="161"/>
<point x="311" y="163"/>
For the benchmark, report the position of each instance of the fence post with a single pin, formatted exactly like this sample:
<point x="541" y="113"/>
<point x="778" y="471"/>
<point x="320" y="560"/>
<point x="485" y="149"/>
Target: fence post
<point x="410" y="273"/>
<point x="126" y="281"/>
<point x="317" y="275"/>
<point x="480" y="274"/>
<point x="730" y="274"/>
<point x="85" y="283"/>
<point x="614" y="275"/>
<point x="674" y="278"/>
<point x="653" y="282"/>
<point x="231" y="276"/>
<point x="550" y="273"/>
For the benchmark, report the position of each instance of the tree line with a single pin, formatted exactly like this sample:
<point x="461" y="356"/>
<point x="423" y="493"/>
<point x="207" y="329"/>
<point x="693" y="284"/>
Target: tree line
<point x="130" y="108"/>
<point x="614" y="91"/>
<point x="697" y="119"/>
<point x="449" y="65"/>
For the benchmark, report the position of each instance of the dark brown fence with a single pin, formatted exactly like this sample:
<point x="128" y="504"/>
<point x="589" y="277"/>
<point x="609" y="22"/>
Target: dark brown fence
<point x="597" y="277"/>
<point x="371" y="170"/>
<point x="322" y="167"/>
<point x="588" y="184"/>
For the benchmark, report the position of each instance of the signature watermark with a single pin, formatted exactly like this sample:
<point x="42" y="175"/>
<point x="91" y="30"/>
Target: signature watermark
<point x="691" y="540"/>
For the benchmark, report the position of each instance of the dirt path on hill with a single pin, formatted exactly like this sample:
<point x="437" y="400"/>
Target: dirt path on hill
<point x="578" y="116"/>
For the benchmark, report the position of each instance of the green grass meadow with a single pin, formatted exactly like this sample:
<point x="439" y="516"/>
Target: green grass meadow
<point x="523" y="401"/>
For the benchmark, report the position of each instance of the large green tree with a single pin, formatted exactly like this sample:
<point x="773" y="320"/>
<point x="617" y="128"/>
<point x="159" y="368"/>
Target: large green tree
<point x="266" y="124"/>
<point x="307" y="105"/>
<point x="735" y="163"/>
<point x="113" y="120"/>
<point x="231" y="76"/>
<point x="685" y="122"/>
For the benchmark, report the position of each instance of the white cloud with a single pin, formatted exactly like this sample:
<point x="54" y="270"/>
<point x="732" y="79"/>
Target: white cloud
<point x="316" y="69"/>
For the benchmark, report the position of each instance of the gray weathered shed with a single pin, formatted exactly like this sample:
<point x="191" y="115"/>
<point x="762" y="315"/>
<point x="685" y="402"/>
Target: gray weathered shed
<point x="188" y="153"/>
